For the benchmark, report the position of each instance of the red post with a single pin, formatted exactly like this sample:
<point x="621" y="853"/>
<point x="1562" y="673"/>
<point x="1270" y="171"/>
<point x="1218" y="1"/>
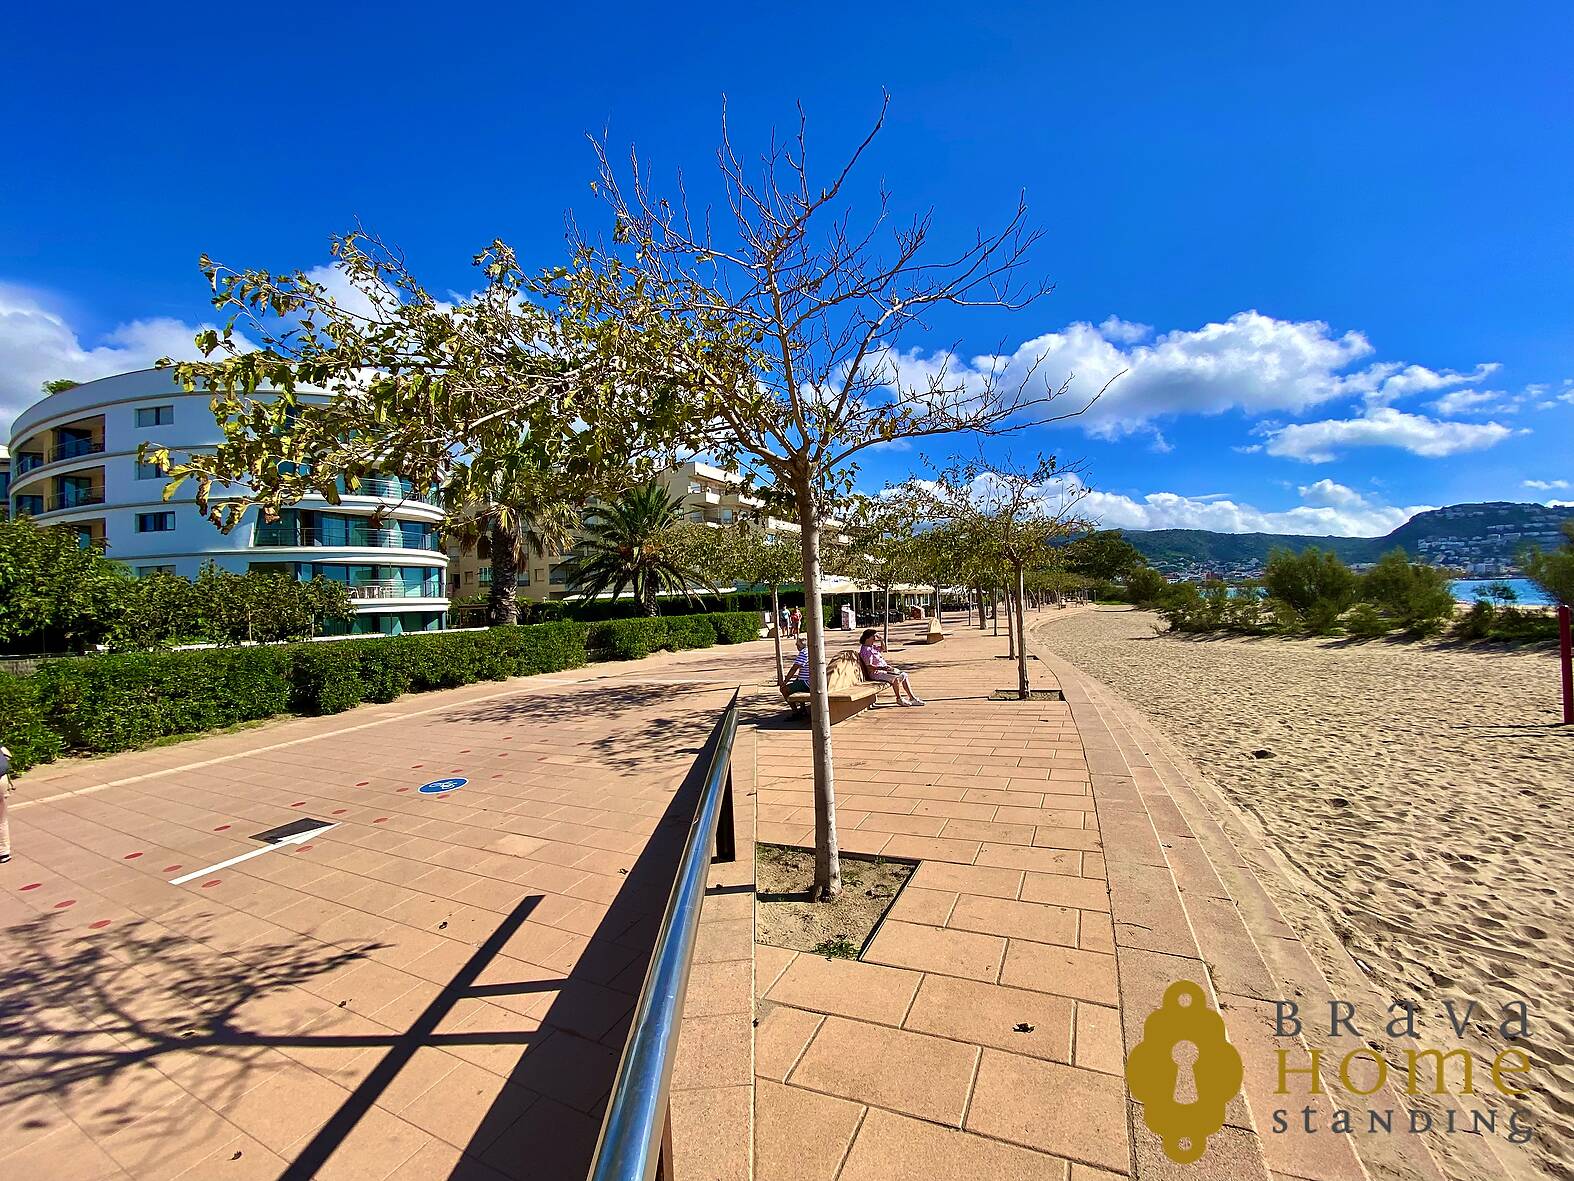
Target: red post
<point x="1566" y="651"/>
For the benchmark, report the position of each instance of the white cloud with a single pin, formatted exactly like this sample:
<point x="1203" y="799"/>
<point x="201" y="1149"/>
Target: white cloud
<point x="1250" y="362"/>
<point x="1327" y="509"/>
<point x="37" y="344"/>
<point x="1382" y="426"/>
<point x="1547" y="485"/>
<point x="1476" y="402"/>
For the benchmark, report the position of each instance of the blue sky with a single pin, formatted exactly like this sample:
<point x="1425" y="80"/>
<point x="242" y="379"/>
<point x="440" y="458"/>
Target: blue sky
<point x="1331" y="244"/>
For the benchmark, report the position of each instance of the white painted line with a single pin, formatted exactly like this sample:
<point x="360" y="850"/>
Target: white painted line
<point x="299" y="838"/>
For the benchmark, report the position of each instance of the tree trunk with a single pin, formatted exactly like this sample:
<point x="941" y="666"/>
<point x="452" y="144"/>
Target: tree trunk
<point x="827" y="853"/>
<point x="983" y="611"/>
<point x="994" y="608"/>
<point x="885" y="635"/>
<point x="1011" y="631"/>
<point x="939" y="610"/>
<point x="646" y="590"/>
<point x="776" y="629"/>
<point x="502" y="599"/>
<point x="1021" y="630"/>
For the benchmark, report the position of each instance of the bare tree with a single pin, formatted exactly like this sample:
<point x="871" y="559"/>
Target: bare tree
<point x="819" y="304"/>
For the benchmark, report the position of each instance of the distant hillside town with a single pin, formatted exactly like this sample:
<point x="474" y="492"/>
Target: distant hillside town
<point x="1482" y="540"/>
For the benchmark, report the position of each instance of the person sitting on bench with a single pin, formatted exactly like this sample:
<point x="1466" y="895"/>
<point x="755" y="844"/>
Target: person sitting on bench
<point x="876" y="668"/>
<point x="797" y="678"/>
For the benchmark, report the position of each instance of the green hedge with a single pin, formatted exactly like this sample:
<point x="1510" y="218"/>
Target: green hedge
<point x="97" y="704"/>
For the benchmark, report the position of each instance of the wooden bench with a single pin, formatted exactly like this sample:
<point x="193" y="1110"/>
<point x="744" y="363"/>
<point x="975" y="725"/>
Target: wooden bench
<point x="935" y="634"/>
<point x="848" y="691"/>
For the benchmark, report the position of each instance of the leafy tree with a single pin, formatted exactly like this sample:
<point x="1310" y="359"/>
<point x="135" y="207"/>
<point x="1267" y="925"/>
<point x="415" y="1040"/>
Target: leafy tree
<point x="882" y="547"/>
<point x="1553" y="570"/>
<point x="1018" y="515"/>
<point x="630" y="543"/>
<point x="1314" y="584"/>
<point x="259" y="607"/>
<point x="1105" y="556"/>
<point x="817" y="309"/>
<point x="60" y="385"/>
<point x="55" y="593"/>
<point x="742" y="554"/>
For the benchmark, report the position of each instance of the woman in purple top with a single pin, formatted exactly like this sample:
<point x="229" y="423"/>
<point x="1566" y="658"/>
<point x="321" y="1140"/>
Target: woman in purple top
<point x="871" y="654"/>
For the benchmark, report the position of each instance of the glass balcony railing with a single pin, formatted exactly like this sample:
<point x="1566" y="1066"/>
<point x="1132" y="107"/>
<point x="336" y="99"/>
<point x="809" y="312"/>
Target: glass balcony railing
<point x="395" y="590"/>
<point x="75" y="448"/>
<point x="27" y="461"/>
<point x="68" y="500"/>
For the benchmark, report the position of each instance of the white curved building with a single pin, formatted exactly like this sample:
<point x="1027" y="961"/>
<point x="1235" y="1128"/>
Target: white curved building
<point x="74" y="463"/>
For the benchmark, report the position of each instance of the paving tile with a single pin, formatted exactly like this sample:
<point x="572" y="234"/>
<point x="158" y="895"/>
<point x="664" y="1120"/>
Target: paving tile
<point x="1065" y="971"/>
<point x="781" y="1034"/>
<point x="968" y="879"/>
<point x="1098" y="1039"/>
<point x="712" y="1130"/>
<point x="931" y="949"/>
<point x="1061" y="890"/>
<point x="917" y="905"/>
<point x="891" y="1146"/>
<point x="1014" y="1019"/>
<point x="1020" y="920"/>
<point x="912" y="1073"/>
<point x="849" y="988"/>
<point x="800" y="1135"/>
<point x="1077" y="1114"/>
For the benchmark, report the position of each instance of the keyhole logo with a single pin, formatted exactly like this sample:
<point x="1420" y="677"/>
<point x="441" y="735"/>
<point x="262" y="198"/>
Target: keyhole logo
<point x="1184" y="1071"/>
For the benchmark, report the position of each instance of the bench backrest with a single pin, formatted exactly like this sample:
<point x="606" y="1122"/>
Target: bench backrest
<point x="843" y="671"/>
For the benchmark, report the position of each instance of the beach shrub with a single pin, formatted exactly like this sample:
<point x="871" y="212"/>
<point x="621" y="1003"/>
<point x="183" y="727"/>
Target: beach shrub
<point x="387" y="665"/>
<point x="1314" y="582"/>
<point x="544" y="647"/>
<point x="690" y="631"/>
<point x="1553" y="570"/>
<point x="1415" y="596"/>
<point x="1476" y="622"/>
<point x="1365" y="622"/>
<point x="24" y="728"/>
<point x="1146" y="586"/>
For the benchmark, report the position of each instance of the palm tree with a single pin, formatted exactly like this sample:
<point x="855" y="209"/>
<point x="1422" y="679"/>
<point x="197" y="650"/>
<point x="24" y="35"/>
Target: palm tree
<point x="632" y="543"/>
<point x="524" y="513"/>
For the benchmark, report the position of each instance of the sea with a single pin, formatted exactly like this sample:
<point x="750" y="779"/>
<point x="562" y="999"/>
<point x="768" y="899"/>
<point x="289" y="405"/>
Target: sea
<point x="1527" y="593"/>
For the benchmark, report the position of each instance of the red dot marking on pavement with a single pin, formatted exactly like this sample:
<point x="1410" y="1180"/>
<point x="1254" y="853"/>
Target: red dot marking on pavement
<point x="497" y="774"/>
<point x="508" y="738"/>
<point x="416" y="766"/>
<point x="381" y="820"/>
<point x="100" y="925"/>
<point x="131" y="856"/>
<point x="32" y="885"/>
<point x="66" y="903"/>
<point x="364" y="783"/>
<point x="504" y="755"/>
<point x="298" y="804"/>
<point x="340" y="811"/>
<point x="457" y="771"/>
<point x="210" y="885"/>
<point x="221" y="828"/>
<point x="404" y="789"/>
<point x="171" y="868"/>
<point x="303" y="848"/>
<point x="465" y="751"/>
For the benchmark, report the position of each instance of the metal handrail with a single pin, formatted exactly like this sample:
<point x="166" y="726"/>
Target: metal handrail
<point x="636" y="1136"/>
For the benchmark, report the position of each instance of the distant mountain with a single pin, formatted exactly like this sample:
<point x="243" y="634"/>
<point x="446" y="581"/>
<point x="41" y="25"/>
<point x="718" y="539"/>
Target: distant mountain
<point x="1463" y="535"/>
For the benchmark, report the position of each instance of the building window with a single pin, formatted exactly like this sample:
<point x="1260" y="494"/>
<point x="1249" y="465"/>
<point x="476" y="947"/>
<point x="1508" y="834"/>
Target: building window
<point x="149" y="471"/>
<point x="155" y="415"/>
<point x="29" y="506"/>
<point x="146" y="571"/>
<point x="155" y="522"/>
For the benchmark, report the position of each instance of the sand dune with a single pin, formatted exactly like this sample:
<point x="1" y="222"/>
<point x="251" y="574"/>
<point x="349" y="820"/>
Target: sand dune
<point x="1422" y="791"/>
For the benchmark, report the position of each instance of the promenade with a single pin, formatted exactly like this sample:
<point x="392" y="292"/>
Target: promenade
<point x="439" y="985"/>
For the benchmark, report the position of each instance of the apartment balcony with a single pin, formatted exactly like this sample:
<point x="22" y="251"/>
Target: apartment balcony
<point x="28" y="461"/>
<point x="362" y="591"/>
<point x="70" y="500"/>
<point x="75" y="449"/>
<point x="711" y="497"/>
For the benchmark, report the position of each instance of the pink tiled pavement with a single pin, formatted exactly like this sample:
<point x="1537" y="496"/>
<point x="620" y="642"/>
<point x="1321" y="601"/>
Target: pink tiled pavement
<point x="439" y="986"/>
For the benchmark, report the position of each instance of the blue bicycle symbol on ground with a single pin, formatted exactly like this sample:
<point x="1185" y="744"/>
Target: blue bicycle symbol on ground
<point x="438" y="786"/>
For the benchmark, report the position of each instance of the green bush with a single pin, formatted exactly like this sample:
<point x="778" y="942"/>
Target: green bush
<point x="735" y="627"/>
<point x="542" y="647"/>
<point x="1316" y="583"/>
<point x="1414" y="596"/>
<point x="1146" y="587"/>
<point x="627" y="639"/>
<point x="324" y="678"/>
<point x="690" y="631"/>
<point x="387" y="665"/>
<point x="24" y="728"/>
<point x="1365" y="622"/>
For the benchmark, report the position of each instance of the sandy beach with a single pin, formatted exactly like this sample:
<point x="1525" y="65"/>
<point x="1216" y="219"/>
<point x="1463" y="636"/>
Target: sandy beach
<point x="1419" y="793"/>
